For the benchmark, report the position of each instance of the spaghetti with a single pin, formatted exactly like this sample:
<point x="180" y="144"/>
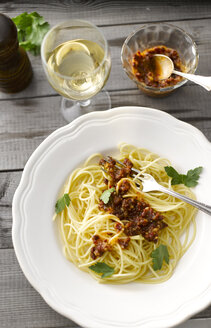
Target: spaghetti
<point x="130" y="257"/>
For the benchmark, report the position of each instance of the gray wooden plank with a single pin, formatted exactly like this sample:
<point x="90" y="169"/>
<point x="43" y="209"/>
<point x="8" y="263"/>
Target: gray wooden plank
<point x="37" y="116"/>
<point x="103" y="12"/>
<point x="26" y="123"/>
<point x="118" y="80"/>
<point x="22" y="307"/>
<point x="202" y="323"/>
<point x="8" y="184"/>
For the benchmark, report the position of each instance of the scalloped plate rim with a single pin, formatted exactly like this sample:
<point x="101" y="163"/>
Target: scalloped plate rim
<point x="205" y="296"/>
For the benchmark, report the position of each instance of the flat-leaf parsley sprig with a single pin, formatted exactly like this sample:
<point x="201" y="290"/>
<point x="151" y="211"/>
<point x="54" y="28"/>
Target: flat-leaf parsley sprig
<point x="61" y="203"/>
<point x="158" y="255"/>
<point x="190" y="179"/>
<point x="31" y="31"/>
<point x="101" y="267"/>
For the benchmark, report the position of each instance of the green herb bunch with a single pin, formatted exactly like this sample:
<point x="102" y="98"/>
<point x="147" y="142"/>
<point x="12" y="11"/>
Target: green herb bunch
<point x="31" y="31"/>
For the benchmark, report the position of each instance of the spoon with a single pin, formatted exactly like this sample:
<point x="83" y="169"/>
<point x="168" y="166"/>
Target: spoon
<point x="165" y="67"/>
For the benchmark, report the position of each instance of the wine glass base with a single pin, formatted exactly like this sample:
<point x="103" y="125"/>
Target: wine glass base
<point x="72" y="109"/>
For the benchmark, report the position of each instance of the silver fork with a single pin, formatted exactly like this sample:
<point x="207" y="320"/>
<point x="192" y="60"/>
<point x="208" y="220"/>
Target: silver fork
<point x="150" y="184"/>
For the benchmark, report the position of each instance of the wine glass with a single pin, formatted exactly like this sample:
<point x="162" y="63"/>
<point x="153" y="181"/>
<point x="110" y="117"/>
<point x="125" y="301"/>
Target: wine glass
<point x="76" y="59"/>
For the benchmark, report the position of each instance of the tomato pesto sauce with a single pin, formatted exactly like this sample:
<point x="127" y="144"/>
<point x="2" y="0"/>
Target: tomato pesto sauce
<point x="144" y="67"/>
<point x="137" y="217"/>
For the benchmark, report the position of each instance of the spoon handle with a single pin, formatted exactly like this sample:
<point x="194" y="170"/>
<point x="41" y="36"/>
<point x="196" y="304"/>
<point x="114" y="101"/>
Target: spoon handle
<point x="204" y="81"/>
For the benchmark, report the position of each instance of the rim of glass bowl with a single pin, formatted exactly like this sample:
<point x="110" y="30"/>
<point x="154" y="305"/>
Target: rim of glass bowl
<point x="169" y="87"/>
<point x="69" y="21"/>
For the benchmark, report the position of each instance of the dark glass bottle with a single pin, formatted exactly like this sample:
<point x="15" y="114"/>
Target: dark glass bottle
<point x="15" y="67"/>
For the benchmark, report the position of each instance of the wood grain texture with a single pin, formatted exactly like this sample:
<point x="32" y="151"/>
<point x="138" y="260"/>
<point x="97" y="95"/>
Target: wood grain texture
<point x="202" y="323"/>
<point x="8" y="184"/>
<point x="21" y="306"/>
<point x="116" y="36"/>
<point x="106" y="12"/>
<point x="25" y="123"/>
<point x="28" y="117"/>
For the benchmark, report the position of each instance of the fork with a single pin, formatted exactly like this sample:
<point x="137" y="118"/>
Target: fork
<point x="150" y="184"/>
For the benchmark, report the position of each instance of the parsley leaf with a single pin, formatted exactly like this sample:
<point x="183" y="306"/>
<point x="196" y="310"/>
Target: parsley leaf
<point x="189" y="180"/>
<point x="103" y="268"/>
<point x="192" y="177"/>
<point x="106" y="195"/>
<point x="61" y="203"/>
<point x="31" y="30"/>
<point x="158" y="255"/>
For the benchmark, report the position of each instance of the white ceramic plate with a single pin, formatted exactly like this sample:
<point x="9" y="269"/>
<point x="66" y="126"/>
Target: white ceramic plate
<point x="76" y="294"/>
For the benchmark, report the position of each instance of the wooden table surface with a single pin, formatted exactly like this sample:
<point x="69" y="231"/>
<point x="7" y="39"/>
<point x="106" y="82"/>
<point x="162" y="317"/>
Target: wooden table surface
<point x="28" y="117"/>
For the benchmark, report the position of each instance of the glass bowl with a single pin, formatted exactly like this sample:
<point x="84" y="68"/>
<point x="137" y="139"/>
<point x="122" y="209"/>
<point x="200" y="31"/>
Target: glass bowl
<point x="151" y="35"/>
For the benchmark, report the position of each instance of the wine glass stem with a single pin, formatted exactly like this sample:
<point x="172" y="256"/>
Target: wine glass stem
<point x="84" y="103"/>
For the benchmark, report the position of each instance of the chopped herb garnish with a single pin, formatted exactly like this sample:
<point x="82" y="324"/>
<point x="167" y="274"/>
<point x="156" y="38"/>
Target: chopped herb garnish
<point x="31" y="30"/>
<point x="106" y="195"/>
<point x="158" y="255"/>
<point x="190" y="179"/>
<point x="103" y="268"/>
<point x="61" y="203"/>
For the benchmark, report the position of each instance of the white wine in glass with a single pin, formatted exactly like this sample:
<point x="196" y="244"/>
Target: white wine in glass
<point x="77" y="63"/>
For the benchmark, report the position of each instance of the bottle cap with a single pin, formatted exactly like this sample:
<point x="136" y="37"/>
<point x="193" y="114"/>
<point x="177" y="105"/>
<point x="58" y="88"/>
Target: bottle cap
<point x="8" y="38"/>
<point x="15" y="67"/>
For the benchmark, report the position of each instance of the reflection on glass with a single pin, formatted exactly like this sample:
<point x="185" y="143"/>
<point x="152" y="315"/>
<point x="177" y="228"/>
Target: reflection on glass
<point x="77" y="63"/>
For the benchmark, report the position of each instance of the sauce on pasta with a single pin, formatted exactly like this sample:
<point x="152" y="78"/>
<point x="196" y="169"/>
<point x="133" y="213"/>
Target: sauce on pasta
<point x="92" y="231"/>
